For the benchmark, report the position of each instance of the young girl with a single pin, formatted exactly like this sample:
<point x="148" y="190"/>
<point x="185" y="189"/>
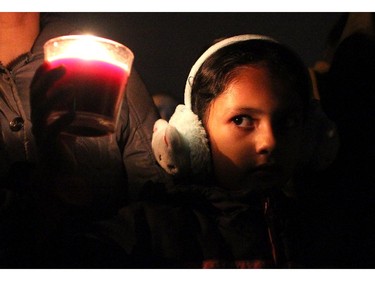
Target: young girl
<point x="252" y="96"/>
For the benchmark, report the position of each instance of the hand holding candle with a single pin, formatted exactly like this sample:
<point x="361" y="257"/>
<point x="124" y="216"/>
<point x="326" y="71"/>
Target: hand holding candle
<point x="96" y="71"/>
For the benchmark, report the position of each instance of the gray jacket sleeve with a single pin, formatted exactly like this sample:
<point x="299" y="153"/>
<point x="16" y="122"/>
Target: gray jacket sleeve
<point x="134" y="134"/>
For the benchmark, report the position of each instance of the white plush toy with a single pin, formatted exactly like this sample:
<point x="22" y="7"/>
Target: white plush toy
<point x="180" y="146"/>
<point x="170" y="149"/>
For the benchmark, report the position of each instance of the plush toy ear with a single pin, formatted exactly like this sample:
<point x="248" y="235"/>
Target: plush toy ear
<point x="170" y="149"/>
<point x="178" y="152"/>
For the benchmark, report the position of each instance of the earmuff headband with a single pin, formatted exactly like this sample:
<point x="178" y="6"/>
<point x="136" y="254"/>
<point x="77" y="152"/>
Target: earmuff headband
<point x="209" y="52"/>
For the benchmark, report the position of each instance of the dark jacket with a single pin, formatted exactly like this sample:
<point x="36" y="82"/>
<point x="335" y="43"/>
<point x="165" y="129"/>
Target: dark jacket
<point x="190" y="227"/>
<point x="106" y="165"/>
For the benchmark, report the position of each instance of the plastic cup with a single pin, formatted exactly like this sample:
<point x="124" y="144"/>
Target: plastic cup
<point x="97" y="71"/>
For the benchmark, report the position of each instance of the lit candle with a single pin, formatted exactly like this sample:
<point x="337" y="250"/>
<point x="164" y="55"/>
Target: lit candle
<point x="97" y="70"/>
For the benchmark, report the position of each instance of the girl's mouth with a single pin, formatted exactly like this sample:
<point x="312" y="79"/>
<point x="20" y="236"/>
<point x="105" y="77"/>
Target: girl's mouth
<point x="266" y="171"/>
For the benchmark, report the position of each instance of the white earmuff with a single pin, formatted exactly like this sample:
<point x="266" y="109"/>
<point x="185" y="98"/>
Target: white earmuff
<point x="210" y="51"/>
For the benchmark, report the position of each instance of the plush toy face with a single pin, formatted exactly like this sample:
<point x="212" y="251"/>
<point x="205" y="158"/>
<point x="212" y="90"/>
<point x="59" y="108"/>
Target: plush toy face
<point x="170" y="149"/>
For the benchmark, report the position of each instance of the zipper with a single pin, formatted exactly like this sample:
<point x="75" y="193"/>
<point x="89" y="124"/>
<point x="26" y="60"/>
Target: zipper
<point x="21" y="60"/>
<point x="269" y="232"/>
<point x="273" y="235"/>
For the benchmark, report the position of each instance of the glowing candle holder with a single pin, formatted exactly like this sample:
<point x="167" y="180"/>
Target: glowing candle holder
<point x="97" y="71"/>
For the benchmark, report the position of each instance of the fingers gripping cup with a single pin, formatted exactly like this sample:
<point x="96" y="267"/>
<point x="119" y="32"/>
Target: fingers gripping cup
<point x="97" y="71"/>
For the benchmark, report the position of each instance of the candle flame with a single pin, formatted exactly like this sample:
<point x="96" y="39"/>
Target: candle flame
<point x="88" y="47"/>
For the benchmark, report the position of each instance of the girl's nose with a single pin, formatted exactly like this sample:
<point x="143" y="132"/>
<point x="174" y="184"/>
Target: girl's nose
<point x="265" y="140"/>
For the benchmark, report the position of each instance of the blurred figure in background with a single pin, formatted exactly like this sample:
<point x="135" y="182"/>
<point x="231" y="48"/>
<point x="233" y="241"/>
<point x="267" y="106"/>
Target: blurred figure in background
<point x="345" y="80"/>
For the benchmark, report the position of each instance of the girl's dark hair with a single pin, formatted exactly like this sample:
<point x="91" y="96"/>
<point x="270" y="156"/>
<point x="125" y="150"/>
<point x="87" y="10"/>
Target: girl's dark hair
<point x="218" y="69"/>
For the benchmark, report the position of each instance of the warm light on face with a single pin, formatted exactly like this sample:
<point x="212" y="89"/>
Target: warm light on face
<point x="252" y="143"/>
<point x="85" y="47"/>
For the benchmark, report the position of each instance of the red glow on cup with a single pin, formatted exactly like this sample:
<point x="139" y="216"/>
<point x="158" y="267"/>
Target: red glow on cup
<point x="97" y="72"/>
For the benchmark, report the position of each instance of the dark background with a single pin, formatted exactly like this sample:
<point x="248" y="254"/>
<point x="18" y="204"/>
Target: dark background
<point x="166" y="44"/>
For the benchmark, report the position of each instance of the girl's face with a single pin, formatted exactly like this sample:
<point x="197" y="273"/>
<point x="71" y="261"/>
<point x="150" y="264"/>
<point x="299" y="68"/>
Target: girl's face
<point x="255" y="130"/>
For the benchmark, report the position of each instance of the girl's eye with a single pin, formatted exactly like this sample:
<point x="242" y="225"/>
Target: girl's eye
<point x="243" y="121"/>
